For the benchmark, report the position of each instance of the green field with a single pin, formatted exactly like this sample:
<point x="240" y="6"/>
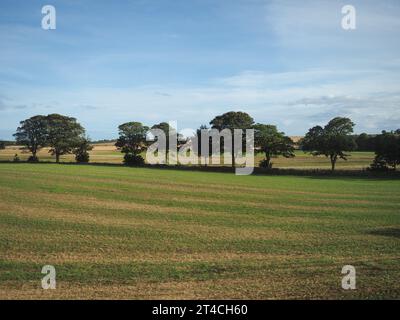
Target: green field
<point x="117" y="232"/>
<point x="107" y="153"/>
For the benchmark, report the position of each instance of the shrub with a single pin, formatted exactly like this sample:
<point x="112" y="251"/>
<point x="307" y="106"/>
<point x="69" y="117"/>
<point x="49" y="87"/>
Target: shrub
<point x="82" y="157"/>
<point x="132" y="159"/>
<point x="33" y="159"/>
<point x="81" y="149"/>
<point x="379" y="164"/>
<point x="16" y="158"/>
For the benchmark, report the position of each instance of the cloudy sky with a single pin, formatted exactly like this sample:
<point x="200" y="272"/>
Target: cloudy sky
<point x="288" y="63"/>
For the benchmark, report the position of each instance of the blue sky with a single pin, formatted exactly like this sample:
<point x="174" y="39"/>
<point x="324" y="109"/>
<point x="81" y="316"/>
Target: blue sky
<point x="287" y="63"/>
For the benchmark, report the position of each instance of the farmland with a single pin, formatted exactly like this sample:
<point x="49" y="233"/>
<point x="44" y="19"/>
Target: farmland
<point x="107" y="153"/>
<point x="118" y="232"/>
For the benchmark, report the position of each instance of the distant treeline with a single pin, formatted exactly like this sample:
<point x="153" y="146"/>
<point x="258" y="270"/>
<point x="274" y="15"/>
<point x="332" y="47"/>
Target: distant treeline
<point x="104" y="141"/>
<point x="5" y="143"/>
<point x="65" y="135"/>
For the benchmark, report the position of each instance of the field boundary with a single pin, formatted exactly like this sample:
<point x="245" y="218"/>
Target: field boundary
<point x="221" y="169"/>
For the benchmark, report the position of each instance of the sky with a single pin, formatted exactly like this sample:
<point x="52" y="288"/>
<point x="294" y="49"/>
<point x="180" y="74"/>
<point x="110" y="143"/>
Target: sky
<point x="288" y="63"/>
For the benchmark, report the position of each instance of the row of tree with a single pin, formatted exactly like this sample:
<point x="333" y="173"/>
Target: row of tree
<point x="65" y="135"/>
<point x="132" y="137"/>
<point x="60" y="133"/>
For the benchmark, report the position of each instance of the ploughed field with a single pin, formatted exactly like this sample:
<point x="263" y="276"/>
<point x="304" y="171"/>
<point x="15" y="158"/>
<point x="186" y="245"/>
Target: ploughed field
<point x="118" y="232"/>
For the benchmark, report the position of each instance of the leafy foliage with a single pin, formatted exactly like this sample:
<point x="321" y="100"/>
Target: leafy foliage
<point x="365" y="142"/>
<point x="232" y="120"/>
<point x="32" y="134"/>
<point x="33" y="159"/>
<point x="64" y="133"/>
<point x="387" y="150"/>
<point x="331" y="141"/>
<point x="272" y="142"/>
<point x="132" y="159"/>
<point x="132" y="141"/>
<point x="82" y="149"/>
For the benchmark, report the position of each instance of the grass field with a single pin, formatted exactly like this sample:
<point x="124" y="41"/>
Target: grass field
<point x="107" y="153"/>
<point x="117" y="232"/>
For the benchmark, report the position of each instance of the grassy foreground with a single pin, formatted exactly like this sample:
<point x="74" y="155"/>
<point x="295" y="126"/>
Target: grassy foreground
<point x="116" y="232"/>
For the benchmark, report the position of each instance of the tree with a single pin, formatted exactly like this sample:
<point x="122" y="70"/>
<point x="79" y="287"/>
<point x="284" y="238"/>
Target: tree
<point x="272" y="142"/>
<point x="331" y="141"/>
<point x="2" y="145"/>
<point x="132" y="141"/>
<point x="64" y="133"/>
<point x="81" y="150"/>
<point x="232" y="120"/>
<point x="32" y="134"/>
<point x="365" y="142"/>
<point x="387" y="150"/>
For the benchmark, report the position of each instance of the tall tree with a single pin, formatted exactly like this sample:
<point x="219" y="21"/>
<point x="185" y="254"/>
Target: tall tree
<point x="132" y="141"/>
<point x="272" y="142"/>
<point x="81" y="150"/>
<point x="64" y="133"/>
<point x="365" y="142"/>
<point x="168" y="130"/>
<point x="232" y="120"/>
<point x="331" y="141"/>
<point x="32" y="134"/>
<point x="387" y="150"/>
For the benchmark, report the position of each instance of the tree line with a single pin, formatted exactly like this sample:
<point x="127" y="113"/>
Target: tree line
<point x="60" y="133"/>
<point x="64" y="135"/>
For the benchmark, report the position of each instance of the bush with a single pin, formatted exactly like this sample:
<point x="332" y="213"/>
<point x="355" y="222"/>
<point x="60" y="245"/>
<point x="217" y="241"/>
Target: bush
<point x="379" y="164"/>
<point x="81" y="148"/>
<point x="82" y="157"/>
<point x="16" y="158"/>
<point x="132" y="159"/>
<point x="33" y="159"/>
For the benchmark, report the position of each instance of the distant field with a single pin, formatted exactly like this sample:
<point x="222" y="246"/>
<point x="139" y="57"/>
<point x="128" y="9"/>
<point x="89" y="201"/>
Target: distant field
<point x="107" y="153"/>
<point x="117" y="232"/>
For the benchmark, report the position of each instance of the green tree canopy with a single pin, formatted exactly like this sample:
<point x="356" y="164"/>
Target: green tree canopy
<point x="331" y="141"/>
<point x="132" y="141"/>
<point x="64" y="133"/>
<point x="272" y="142"/>
<point x="81" y="149"/>
<point x="168" y="130"/>
<point x="232" y="120"/>
<point x="32" y="134"/>
<point x="365" y="142"/>
<point x="387" y="149"/>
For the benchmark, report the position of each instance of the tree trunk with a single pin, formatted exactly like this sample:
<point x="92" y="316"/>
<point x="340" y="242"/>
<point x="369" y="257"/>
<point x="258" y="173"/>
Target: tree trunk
<point x="333" y="162"/>
<point x="57" y="157"/>
<point x="233" y="153"/>
<point x="268" y="161"/>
